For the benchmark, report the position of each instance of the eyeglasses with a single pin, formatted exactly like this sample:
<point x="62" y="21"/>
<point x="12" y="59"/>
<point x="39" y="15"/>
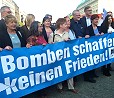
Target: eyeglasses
<point x="89" y="10"/>
<point x="9" y="12"/>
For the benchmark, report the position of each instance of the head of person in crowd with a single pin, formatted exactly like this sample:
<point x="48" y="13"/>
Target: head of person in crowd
<point x="88" y="11"/>
<point x="29" y="19"/>
<point x="94" y="19"/>
<point x="36" y="37"/>
<point x="5" y="10"/>
<point x="61" y="24"/>
<point x="11" y="22"/>
<point x="36" y="28"/>
<point x="46" y="22"/>
<point x="108" y="21"/>
<point x="50" y="16"/>
<point x="110" y="13"/>
<point x="76" y="15"/>
<point x="67" y="21"/>
<point x="108" y="24"/>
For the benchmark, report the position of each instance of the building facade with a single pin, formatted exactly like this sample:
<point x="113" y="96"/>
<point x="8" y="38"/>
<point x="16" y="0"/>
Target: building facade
<point x="10" y="4"/>
<point x="92" y="3"/>
<point x="14" y="8"/>
<point x="97" y="6"/>
<point x="16" y="11"/>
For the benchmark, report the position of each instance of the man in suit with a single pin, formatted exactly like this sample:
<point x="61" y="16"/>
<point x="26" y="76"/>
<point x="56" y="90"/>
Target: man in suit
<point x="86" y="20"/>
<point x="5" y="10"/>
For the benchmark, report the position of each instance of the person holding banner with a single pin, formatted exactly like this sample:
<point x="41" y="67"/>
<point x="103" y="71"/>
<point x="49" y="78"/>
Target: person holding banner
<point x="36" y="37"/>
<point x="61" y="35"/>
<point x="70" y="32"/>
<point x="11" y="38"/>
<point x="93" y="30"/>
<point x="107" y="27"/>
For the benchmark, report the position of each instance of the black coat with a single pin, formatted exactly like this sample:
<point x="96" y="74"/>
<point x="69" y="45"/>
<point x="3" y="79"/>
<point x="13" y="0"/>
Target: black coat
<point x="90" y="31"/>
<point x="77" y="28"/>
<point x="45" y="34"/>
<point x="6" y="41"/>
<point x="83" y="22"/>
<point x="25" y="31"/>
<point x="2" y="25"/>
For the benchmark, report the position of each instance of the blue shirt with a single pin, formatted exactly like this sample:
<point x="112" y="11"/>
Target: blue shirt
<point x="96" y="31"/>
<point x="71" y="35"/>
<point x="15" y="40"/>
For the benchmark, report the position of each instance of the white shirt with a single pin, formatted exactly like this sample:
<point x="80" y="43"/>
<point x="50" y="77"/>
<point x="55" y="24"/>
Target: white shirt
<point x="88" y="21"/>
<point x="110" y="29"/>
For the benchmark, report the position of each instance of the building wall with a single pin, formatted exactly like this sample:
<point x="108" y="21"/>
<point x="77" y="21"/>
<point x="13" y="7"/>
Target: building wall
<point x="16" y="11"/>
<point x="92" y="3"/>
<point x="97" y="6"/>
<point x="10" y="4"/>
<point x="13" y="6"/>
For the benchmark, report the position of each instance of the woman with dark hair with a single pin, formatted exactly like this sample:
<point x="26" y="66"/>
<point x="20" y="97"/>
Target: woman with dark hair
<point x="47" y="29"/>
<point x="36" y="37"/>
<point x="107" y="27"/>
<point x="92" y="30"/>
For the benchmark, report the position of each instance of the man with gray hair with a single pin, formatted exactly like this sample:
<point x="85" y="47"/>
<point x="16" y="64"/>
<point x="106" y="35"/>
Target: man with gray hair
<point x="5" y="10"/>
<point x="76" y="24"/>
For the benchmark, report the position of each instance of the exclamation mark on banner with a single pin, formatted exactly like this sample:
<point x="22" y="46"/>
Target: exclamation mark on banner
<point x="106" y="54"/>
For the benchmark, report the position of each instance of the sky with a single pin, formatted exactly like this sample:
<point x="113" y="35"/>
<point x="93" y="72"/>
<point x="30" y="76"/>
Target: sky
<point x="57" y="8"/>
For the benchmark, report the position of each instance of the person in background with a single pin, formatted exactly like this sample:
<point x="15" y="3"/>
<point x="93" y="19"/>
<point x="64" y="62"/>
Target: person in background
<point x="110" y="13"/>
<point x="61" y="35"/>
<point x="50" y="17"/>
<point x="11" y="38"/>
<point x="26" y="28"/>
<point x="76" y="25"/>
<point x="70" y="32"/>
<point x="5" y="10"/>
<point x="86" y="20"/>
<point x="47" y="29"/>
<point x="107" y="27"/>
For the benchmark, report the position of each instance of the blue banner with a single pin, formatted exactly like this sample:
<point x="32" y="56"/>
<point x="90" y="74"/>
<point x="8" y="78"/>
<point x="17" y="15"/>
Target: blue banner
<point x="24" y="71"/>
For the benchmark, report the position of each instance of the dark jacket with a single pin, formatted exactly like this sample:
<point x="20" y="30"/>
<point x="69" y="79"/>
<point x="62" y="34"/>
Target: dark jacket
<point x="25" y="31"/>
<point x="45" y="34"/>
<point x="83" y="22"/>
<point x="77" y="28"/>
<point x="2" y="25"/>
<point x="90" y="31"/>
<point x="6" y="41"/>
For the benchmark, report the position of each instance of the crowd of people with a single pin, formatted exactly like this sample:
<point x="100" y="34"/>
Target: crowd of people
<point x="35" y="33"/>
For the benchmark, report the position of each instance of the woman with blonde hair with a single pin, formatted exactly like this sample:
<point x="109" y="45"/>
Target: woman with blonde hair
<point x="30" y="18"/>
<point x="11" y="37"/>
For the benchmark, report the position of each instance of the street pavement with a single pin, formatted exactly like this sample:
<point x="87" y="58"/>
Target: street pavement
<point x="103" y="88"/>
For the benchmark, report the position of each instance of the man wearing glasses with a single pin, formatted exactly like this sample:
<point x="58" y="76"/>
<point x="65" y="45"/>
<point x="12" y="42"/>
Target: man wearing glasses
<point x="5" y="10"/>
